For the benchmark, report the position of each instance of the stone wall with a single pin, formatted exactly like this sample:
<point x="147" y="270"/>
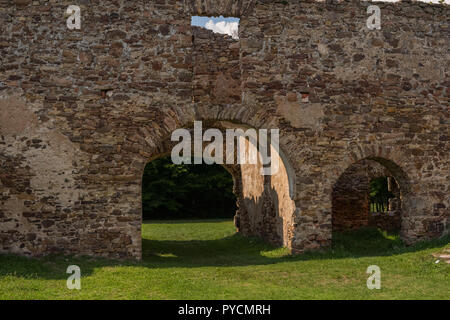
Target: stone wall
<point x="216" y="68"/>
<point x="83" y="111"/>
<point x="388" y="221"/>
<point x="372" y="94"/>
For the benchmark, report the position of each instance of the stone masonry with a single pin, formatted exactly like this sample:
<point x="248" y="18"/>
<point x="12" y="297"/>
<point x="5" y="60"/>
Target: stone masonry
<point x="83" y="111"/>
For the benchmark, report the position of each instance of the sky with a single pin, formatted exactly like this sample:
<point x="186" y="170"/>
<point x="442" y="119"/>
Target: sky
<point x="230" y="25"/>
<point x="218" y="24"/>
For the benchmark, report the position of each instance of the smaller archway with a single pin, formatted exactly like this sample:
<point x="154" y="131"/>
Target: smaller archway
<point x="370" y="193"/>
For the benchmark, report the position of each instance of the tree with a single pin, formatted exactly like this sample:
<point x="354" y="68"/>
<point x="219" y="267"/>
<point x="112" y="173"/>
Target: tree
<point x="379" y="194"/>
<point x="171" y="191"/>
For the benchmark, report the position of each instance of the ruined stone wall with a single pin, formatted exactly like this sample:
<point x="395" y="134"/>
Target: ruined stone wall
<point x="83" y="111"/>
<point x="379" y="94"/>
<point x="216" y="68"/>
<point x="92" y="96"/>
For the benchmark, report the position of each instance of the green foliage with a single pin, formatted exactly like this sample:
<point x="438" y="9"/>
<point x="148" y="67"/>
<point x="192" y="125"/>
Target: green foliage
<point x="379" y="194"/>
<point x="171" y="191"/>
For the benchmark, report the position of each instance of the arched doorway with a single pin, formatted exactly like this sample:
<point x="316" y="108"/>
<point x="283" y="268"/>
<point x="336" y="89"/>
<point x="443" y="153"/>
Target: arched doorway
<point x="370" y="193"/>
<point x="265" y="206"/>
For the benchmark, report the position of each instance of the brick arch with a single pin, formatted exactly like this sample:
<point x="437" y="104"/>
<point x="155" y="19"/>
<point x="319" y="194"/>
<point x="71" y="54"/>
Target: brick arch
<point x="397" y="165"/>
<point x="151" y="135"/>
<point x="390" y="157"/>
<point x="265" y="204"/>
<point x="350" y="196"/>
<point x="313" y="220"/>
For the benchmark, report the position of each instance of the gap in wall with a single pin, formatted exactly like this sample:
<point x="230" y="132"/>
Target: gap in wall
<point x="229" y="25"/>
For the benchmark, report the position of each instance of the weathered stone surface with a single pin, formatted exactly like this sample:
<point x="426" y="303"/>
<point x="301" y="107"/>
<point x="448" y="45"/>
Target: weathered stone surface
<point x="216" y="68"/>
<point x="83" y="111"/>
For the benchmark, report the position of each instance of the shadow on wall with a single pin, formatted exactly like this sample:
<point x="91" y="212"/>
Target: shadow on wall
<point x="260" y="216"/>
<point x="266" y="208"/>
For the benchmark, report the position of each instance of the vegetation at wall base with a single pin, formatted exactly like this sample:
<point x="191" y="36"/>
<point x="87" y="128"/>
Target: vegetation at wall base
<point x="206" y="259"/>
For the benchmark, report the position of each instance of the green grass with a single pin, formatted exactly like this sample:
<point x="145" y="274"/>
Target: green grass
<point x="206" y="260"/>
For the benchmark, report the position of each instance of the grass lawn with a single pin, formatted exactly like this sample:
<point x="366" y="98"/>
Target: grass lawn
<point x="206" y="260"/>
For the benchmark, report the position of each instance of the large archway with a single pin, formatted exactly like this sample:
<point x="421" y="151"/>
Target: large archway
<point x="265" y="206"/>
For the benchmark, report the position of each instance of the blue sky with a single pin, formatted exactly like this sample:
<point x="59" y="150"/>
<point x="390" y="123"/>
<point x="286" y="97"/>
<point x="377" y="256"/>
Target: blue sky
<point x="201" y="21"/>
<point x="220" y="24"/>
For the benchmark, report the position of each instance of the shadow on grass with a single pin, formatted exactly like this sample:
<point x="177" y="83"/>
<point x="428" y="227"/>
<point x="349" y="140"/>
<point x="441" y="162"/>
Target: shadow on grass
<point x="231" y="251"/>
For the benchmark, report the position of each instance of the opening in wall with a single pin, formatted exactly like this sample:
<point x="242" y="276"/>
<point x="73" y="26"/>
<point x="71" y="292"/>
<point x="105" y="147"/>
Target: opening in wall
<point x="171" y="191"/>
<point x="186" y="208"/>
<point x="382" y="194"/>
<point x="229" y="26"/>
<point x="367" y="195"/>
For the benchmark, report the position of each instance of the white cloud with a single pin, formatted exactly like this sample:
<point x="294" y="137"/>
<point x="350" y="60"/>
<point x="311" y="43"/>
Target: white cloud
<point x="224" y="27"/>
